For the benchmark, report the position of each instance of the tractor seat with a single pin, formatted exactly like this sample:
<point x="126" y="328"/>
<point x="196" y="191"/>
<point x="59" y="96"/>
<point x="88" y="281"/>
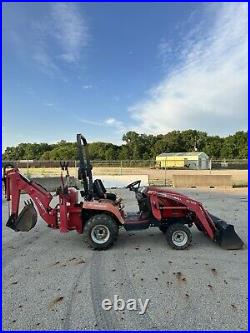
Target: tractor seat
<point x="143" y="203"/>
<point x="100" y="191"/>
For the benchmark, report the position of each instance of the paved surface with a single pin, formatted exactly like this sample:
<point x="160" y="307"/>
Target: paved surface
<point x="54" y="281"/>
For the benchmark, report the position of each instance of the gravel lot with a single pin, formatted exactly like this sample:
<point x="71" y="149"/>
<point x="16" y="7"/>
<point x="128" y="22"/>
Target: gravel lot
<point x="54" y="281"/>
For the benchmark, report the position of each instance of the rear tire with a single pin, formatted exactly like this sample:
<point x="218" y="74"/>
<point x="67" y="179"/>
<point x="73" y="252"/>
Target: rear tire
<point x="179" y="236"/>
<point x="101" y="231"/>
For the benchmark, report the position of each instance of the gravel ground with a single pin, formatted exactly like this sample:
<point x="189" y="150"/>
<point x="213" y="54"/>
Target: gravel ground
<point x="54" y="281"/>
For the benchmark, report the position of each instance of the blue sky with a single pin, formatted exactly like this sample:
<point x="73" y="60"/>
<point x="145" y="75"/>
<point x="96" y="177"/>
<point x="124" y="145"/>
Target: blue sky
<point x="105" y="68"/>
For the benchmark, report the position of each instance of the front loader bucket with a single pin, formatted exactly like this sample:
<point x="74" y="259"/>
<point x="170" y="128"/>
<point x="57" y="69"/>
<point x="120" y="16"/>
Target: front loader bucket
<point x="226" y="236"/>
<point x="26" y="220"/>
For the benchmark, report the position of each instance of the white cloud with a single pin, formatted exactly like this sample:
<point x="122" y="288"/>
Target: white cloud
<point x="89" y="122"/>
<point x="45" y="61"/>
<point x="117" y="124"/>
<point x="110" y="122"/>
<point x="55" y="36"/>
<point x="87" y="86"/>
<point x="116" y="98"/>
<point x="70" y="30"/>
<point x="208" y="90"/>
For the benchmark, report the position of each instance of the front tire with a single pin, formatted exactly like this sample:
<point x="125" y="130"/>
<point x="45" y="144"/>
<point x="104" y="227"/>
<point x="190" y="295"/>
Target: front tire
<point x="179" y="236"/>
<point x="101" y="231"/>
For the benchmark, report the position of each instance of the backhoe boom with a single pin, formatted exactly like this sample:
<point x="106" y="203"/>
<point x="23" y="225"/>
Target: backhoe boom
<point x="16" y="184"/>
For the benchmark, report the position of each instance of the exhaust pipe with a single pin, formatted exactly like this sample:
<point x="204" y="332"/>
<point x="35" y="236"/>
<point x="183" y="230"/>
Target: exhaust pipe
<point x="225" y="235"/>
<point x="25" y="221"/>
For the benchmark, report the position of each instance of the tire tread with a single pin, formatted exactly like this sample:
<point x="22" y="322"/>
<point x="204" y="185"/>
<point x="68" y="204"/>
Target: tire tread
<point x="106" y="220"/>
<point x="174" y="227"/>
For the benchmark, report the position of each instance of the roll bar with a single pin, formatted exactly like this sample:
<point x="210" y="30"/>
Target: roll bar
<point x="85" y="167"/>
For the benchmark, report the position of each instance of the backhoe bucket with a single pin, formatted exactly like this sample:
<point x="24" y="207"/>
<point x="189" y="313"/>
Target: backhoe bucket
<point x="226" y="236"/>
<point x="26" y="220"/>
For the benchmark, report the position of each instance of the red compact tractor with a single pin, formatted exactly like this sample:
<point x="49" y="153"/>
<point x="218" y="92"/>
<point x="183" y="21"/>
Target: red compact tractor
<point x="99" y="215"/>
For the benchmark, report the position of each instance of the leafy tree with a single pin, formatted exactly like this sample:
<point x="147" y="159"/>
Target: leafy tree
<point x="124" y="153"/>
<point x="229" y="149"/>
<point x="241" y="142"/>
<point x="10" y="154"/>
<point x="46" y="156"/>
<point x="192" y="139"/>
<point x="213" y="146"/>
<point x="111" y="153"/>
<point x="63" y="153"/>
<point x="137" y="146"/>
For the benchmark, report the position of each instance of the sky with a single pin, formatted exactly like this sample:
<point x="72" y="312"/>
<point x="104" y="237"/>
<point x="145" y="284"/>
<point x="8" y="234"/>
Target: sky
<point x="102" y="69"/>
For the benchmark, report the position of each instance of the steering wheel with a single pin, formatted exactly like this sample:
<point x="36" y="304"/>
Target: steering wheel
<point x="134" y="186"/>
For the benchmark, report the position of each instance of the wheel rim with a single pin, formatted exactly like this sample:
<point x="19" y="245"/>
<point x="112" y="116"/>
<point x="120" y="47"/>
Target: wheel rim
<point x="100" y="234"/>
<point x="179" y="238"/>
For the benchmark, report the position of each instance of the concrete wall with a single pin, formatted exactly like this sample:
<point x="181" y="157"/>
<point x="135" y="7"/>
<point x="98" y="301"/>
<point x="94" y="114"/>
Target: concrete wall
<point x="224" y="181"/>
<point x="122" y="181"/>
<point x="52" y="183"/>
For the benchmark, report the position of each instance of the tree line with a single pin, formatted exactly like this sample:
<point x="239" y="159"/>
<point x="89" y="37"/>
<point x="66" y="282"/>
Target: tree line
<point x="138" y="146"/>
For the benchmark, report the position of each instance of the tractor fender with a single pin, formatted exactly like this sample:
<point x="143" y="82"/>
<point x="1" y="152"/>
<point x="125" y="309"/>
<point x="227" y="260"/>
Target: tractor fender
<point x="103" y="207"/>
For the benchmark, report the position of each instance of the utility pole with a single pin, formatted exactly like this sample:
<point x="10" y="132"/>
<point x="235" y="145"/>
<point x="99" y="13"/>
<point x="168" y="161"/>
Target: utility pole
<point x="121" y="168"/>
<point x="165" y="173"/>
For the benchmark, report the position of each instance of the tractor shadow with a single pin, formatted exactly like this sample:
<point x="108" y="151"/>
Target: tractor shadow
<point x="151" y="239"/>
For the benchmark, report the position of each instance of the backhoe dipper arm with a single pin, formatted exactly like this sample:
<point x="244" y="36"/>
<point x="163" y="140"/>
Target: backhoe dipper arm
<point x="15" y="183"/>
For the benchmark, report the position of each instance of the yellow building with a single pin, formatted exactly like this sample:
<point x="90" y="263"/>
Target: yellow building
<point x="187" y="160"/>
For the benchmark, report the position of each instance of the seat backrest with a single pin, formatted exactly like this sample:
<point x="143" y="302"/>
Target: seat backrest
<point x="99" y="188"/>
<point x="143" y="203"/>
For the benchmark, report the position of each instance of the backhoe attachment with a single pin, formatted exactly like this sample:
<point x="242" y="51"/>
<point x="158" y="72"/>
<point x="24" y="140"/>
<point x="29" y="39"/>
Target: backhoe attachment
<point x="66" y="215"/>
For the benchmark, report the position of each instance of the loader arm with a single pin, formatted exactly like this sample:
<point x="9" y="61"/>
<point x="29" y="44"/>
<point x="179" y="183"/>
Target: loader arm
<point x="215" y="228"/>
<point x="202" y="219"/>
<point x="15" y="184"/>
